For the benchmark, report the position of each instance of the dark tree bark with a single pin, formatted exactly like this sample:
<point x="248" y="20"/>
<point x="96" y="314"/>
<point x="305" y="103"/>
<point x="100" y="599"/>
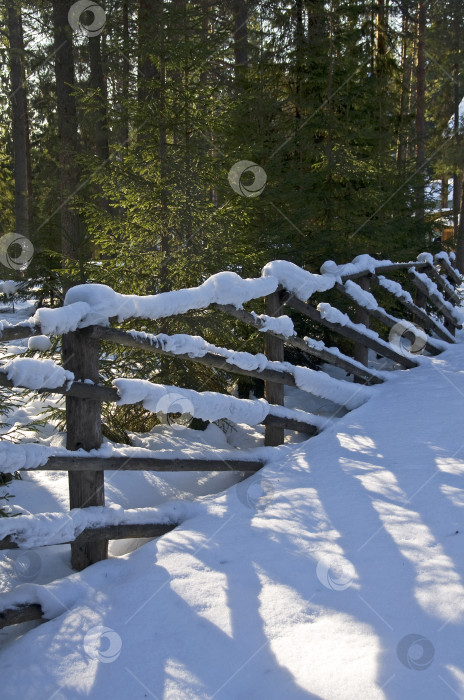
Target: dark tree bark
<point x="299" y="55"/>
<point x="405" y="89"/>
<point x="460" y="237"/>
<point x="411" y="95"/>
<point x="149" y="31"/>
<point x="67" y="130"/>
<point x="125" y="74"/>
<point x="457" y="187"/>
<point x="457" y="179"/>
<point x="165" y="236"/>
<point x="97" y="84"/>
<point x="444" y="193"/>
<point x="420" y="110"/>
<point x="240" y="18"/>
<point x="151" y="89"/>
<point x="20" y="122"/>
<point x="381" y="30"/>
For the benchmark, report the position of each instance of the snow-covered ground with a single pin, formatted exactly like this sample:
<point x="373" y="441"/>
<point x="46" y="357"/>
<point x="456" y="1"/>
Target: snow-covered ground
<point x="336" y="572"/>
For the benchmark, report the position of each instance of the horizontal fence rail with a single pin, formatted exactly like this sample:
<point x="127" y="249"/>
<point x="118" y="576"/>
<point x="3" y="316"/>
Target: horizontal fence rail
<point x="152" y="464"/>
<point x="107" y="532"/>
<point x="20" y="614"/>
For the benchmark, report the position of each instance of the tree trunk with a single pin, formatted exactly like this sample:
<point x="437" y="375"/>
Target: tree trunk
<point x="151" y="88"/>
<point x="457" y="187"/>
<point x="165" y="236"/>
<point x="381" y="32"/>
<point x="67" y="131"/>
<point x="240" y="17"/>
<point x="299" y="60"/>
<point x="149" y="23"/>
<point x="420" y="111"/>
<point x="20" y="123"/>
<point x="125" y="74"/>
<point x="411" y="96"/>
<point x="382" y="82"/>
<point x="457" y="179"/>
<point x="97" y="84"/>
<point x="405" y="88"/>
<point x="460" y="238"/>
<point x="444" y="193"/>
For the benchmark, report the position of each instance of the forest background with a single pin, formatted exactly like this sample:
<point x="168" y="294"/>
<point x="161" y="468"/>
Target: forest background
<point x="124" y="124"/>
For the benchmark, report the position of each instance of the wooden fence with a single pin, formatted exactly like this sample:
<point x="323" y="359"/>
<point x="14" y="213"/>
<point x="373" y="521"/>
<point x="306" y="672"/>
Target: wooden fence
<point x="433" y="309"/>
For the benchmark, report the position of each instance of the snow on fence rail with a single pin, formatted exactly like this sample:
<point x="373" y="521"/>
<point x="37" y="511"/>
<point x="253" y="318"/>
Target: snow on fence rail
<point x="84" y="322"/>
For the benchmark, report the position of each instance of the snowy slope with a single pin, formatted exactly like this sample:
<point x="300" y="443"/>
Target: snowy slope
<point x="337" y="572"/>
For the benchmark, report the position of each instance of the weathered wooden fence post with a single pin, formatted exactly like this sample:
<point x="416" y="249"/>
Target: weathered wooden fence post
<point x="361" y="351"/>
<point x="83" y="423"/>
<point x="449" y="327"/>
<point x="447" y="271"/>
<point x="274" y="350"/>
<point x="420" y="300"/>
